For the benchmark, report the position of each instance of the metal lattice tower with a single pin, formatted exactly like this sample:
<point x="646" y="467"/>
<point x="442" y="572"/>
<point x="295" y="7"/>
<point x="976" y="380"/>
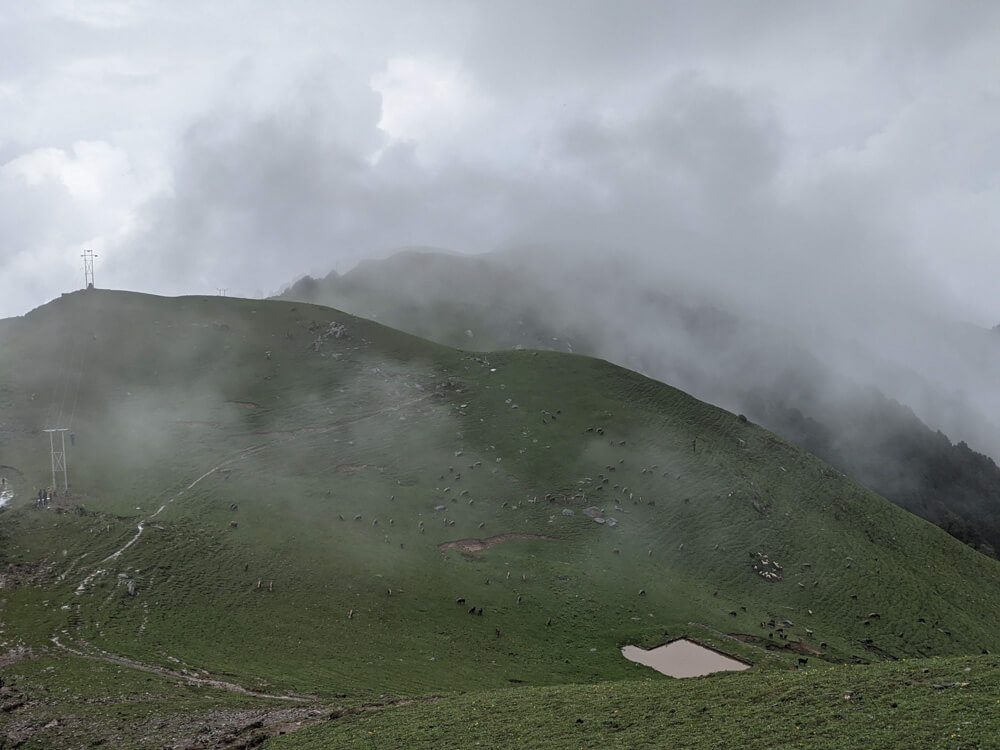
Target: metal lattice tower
<point x="58" y="455"/>
<point x="88" y="268"/>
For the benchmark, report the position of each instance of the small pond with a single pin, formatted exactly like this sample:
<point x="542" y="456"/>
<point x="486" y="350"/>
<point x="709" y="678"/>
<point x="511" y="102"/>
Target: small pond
<point x="684" y="658"/>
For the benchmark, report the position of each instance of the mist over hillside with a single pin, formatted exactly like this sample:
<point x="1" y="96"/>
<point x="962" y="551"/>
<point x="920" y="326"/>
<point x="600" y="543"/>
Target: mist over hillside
<point x="879" y="401"/>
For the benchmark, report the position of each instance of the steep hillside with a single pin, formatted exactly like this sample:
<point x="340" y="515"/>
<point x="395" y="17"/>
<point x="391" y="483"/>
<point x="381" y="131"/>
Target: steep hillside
<point x="501" y="302"/>
<point x="312" y="506"/>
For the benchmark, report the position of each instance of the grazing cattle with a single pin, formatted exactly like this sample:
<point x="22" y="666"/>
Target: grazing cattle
<point x="732" y="613"/>
<point x="548" y="622"/>
<point x="270" y="586"/>
<point x="519" y="599"/>
<point x="234" y="507"/>
<point x="649" y="554"/>
<point x="391" y="498"/>
<point x="391" y="522"/>
<point x="479" y="612"/>
<point x="386" y="538"/>
<point x="524" y="577"/>
<point x="482" y="524"/>
<point x="471" y="501"/>
<point x="357" y="517"/>
<point x="375" y="522"/>
<point x="388" y="592"/>
<point x="339" y="516"/>
<point x="498" y="632"/>
<point x="460" y="600"/>
<point x="616" y="551"/>
<point x="642" y="592"/>
<point x="803" y="661"/>
<point x="508" y="575"/>
<point x="681" y="547"/>
<point x="350" y="615"/>
<point x="258" y="583"/>
<point x="822" y="644"/>
<point x="487" y="581"/>
<point x="233" y="524"/>
<point x="472" y="610"/>
<point x="246" y="567"/>
<point x="808" y="631"/>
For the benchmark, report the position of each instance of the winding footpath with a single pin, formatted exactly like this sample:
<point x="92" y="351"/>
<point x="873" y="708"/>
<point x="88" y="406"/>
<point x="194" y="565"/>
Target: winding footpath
<point x="99" y="655"/>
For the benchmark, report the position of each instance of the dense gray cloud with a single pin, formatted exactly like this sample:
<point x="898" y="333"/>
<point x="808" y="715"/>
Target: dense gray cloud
<point x="824" y="159"/>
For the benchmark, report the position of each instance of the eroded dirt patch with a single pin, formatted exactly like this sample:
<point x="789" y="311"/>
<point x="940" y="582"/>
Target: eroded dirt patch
<point x="359" y="467"/>
<point x="479" y="545"/>
<point x="245" y="404"/>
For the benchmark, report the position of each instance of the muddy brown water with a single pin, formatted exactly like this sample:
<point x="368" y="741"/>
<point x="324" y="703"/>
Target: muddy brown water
<point x="683" y="658"/>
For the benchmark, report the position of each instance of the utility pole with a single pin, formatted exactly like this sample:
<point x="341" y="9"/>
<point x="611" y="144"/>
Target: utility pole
<point x="58" y="456"/>
<point x="88" y="268"/>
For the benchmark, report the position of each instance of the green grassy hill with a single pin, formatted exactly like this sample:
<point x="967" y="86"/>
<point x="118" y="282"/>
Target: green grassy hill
<point x="301" y="478"/>
<point x="791" y="386"/>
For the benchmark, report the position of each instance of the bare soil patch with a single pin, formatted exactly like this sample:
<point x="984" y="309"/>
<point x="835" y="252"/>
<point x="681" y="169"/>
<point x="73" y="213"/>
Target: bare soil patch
<point x="480" y="545"/>
<point x="359" y="467"/>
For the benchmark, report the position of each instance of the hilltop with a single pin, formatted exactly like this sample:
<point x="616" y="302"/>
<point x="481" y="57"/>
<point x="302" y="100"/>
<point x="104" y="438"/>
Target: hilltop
<point x="800" y="389"/>
<point x="292" y="501"/>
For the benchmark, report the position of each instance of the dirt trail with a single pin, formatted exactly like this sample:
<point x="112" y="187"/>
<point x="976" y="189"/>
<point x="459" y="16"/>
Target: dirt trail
<point x="239" y="456"/>
<point x="246" y="453"/>
<point x="122" y="661"/>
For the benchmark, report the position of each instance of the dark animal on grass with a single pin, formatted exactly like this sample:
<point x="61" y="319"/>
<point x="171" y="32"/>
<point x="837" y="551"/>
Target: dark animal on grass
<point x="460" y="600"/>
<point x="803" y="661"/>
<point x="479" y="612"/>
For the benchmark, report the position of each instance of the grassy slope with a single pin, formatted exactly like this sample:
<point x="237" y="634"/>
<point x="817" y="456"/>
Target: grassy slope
<point x="155" y="412"/>
<point x="502" y="304"/>
<point x="891" y="705"/>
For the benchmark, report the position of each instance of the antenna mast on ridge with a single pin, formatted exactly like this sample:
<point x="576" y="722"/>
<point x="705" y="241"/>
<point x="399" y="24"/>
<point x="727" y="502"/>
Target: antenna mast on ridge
<point x="88" y="268"/>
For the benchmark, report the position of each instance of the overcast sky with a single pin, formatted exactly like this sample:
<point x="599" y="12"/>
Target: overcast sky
<point x="815" y="153"/>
